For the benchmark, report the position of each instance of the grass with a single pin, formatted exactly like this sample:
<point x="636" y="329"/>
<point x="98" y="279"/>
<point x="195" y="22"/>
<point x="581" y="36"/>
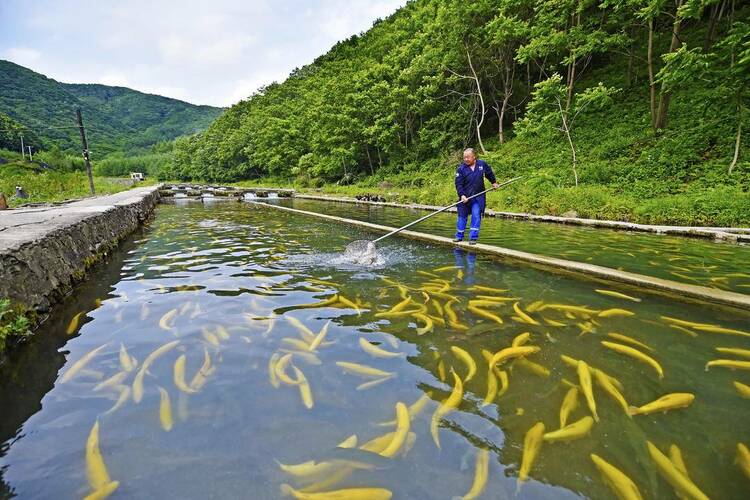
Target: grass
<point x="52" y="185"/>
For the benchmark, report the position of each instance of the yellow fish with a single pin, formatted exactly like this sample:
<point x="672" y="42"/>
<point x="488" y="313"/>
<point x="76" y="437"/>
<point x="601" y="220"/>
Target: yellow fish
<point x="671" y="401"/>
<point x="115" y="380"/>
<point x="742" y="389"/>
<point x="569" y="404"/>
<point x="524" y="317"/>
<point x="167" y="320"/>
<point x="280" y="370"/>
<point x="376" y="351"/>
<point x="402" y="431"/>
<point x="199" y="379"/>
<point x="576" y="430"/>
<point x="78" y="365"/>
<point x="521" y="339"/>
<point x="345" y="494"/>
<point x="165" y="410"/>
<point x="481" y="471"/>
<point x="373" y="383"/>
<point x="415" y="408"/>
<point x="351" y="305"/>
<point x="96" y="470"/>
<point x="610" y="389"/>
<point x="447" y="406"/>
<point x="363" y="370"/>
<point x="127" y="362"/>
<point x="485" y="314"/>
<point x="532" y="367"/>
<point x="512" y="352"/>
<point x="428" y="323"/>
<point x="272" y="370"/>
<point x="138" y="381"/>
<point x="304" y="388"/>
<point x="491" y="387"/>
<point x="466" y="358"/>
<point x="319" y="337"/>
<point x="681" y="483"/>
<point x="584" y="379"/>
<point x="743" y="459"/>
<point x="532" y="443"/>
<point x="734" y="351"/>
<point x="618" y="295"/>
<point x="481" y="288"/>
<point x="729" y="363"/>
<point x="636" y="354"/>
<point x="179" y="375"/>
<point x="610" y="313"/>
<point x="622" y="486"/>
<point x="73" y="325"/>
<point x="628" y="340"/>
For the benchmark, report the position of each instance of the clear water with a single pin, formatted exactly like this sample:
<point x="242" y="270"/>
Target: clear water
<point x="688" y="260"/>
<point x="227" y="264"/>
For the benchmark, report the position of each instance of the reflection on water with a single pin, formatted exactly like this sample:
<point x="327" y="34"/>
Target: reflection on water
<point x="687" y="260"/>
<point x="227" y="357"/>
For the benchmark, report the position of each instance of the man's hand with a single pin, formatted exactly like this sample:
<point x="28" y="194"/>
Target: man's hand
<point x="464" y="199"/>
<point x="495" y="185"/>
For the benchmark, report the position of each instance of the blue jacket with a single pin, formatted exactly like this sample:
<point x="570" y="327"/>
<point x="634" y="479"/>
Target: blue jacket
<point x="469" y="183"/>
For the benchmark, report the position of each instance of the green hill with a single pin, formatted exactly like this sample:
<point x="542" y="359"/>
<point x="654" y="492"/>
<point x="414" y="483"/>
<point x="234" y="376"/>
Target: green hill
<point x="601" y="108"/>
<point x="116" y="118"/>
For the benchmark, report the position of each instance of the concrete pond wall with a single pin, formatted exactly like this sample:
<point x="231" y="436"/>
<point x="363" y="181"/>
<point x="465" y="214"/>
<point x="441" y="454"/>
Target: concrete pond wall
<point x="45" y="251"/>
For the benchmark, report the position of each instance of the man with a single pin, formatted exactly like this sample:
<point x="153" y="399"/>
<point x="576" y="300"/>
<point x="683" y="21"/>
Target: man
<point x="470" y="181"/>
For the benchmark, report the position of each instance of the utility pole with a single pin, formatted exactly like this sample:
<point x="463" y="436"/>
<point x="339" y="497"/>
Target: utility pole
<point x="23" y="151"/>
<point x="30" y="157"/>
<point x="85" y="150"/>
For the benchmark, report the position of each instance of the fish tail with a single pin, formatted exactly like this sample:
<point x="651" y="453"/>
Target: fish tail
<point x="286" y="490"/>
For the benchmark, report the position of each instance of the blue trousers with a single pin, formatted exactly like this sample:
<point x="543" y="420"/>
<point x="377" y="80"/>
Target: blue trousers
<point x="475" y="208"/>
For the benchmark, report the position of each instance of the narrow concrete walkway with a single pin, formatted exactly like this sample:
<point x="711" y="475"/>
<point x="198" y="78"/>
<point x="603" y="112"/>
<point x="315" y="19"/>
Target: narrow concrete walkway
<point x="22" y="225"/>
<point x="45" y="250"/>
<point x="732" y="234"/>
<point x="643" y="283"/>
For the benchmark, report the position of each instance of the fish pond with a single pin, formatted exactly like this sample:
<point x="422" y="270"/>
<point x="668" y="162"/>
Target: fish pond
<point x="693" y="261"/>
<point x="226" y="351"/>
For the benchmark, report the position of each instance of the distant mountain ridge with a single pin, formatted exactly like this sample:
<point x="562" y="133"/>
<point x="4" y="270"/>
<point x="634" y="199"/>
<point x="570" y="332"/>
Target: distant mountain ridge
<point x="116" y="118"/>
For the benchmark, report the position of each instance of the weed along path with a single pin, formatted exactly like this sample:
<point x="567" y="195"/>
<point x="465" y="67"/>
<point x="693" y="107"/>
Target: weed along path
<point x="224" y="351"/>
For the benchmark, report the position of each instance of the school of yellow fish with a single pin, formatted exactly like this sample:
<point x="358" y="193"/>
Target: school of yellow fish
<point x="438" y="304"/>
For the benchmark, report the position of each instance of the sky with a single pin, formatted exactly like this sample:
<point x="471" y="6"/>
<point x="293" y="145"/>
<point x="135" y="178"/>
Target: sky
<point x="215" y="52"/>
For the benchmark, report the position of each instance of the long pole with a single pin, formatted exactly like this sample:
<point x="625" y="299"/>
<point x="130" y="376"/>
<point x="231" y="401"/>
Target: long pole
<point x="31" y="158"/>
<point x="23" y="152"/>
<point x="443" y="210"/>
<point x="85" y="150"/>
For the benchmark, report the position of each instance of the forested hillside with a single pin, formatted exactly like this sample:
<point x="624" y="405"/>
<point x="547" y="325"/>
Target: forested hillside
<point x="614" y="108"/>
<point x="117" y="119"/>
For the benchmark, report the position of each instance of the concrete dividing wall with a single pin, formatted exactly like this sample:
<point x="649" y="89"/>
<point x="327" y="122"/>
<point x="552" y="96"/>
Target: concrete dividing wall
<point x="731" y="234"/>
<point x="44" y="251"/>
<point x="643" y="283"/>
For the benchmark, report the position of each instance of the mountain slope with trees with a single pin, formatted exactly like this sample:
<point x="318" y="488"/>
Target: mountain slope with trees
<point x="117" y="119"/>
<point x="633" y="109"/>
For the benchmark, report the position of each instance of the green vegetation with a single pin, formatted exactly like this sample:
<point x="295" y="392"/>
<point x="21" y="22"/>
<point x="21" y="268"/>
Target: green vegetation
<point x="627" y="109"/>
<point x="13" y="323"/>
<point x="58" y="183"/>
<point x="117" y="119"/>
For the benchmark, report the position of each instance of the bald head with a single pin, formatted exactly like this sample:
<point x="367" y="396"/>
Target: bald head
<point x="469" y="156"/>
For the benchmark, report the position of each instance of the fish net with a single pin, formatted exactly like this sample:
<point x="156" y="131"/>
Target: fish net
<point x="362" y="252"/>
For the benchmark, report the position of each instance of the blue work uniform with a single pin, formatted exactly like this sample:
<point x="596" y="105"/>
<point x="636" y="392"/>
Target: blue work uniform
<point x="470" y="182"/>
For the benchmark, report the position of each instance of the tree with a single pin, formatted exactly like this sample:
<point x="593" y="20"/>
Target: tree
<point x="549" y="109"/>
